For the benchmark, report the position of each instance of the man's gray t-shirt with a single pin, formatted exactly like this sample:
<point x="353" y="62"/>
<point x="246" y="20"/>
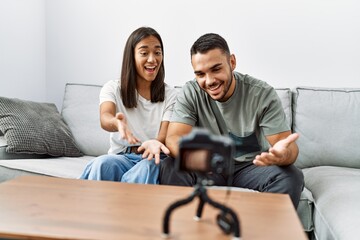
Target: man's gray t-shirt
<point x="251" y="113"/>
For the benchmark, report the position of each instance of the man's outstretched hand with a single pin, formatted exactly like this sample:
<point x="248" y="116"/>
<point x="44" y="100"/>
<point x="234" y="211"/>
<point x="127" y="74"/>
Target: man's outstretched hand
<point x="279" y="154"/>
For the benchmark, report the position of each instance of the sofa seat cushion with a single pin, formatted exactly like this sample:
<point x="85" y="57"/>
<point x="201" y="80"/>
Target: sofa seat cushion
<point x="66" y="167"/>
<point x="328" y="121"/>
<point x="305" y="210"/>
<point x="336" y="201"/>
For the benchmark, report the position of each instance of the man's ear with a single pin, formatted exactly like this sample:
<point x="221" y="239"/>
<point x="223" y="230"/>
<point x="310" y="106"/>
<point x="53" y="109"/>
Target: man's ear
<point x="232" y="62"/>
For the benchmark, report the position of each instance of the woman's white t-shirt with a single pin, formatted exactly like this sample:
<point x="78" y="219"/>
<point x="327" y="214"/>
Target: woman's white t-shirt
<point x="144" y="120"/>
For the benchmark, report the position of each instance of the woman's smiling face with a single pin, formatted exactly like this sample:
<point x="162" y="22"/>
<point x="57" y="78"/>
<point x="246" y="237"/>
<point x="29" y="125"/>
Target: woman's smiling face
<point x="148" y="58"/>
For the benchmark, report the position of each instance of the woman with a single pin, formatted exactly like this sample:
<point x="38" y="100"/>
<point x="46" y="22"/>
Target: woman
<point x="136" y="110"/>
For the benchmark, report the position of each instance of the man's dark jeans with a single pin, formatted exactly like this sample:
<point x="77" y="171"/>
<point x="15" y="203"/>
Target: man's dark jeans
<point x="275" y="179"/>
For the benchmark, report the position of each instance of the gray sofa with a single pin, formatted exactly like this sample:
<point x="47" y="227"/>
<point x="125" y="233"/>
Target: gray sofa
<point x="328" y="121"/>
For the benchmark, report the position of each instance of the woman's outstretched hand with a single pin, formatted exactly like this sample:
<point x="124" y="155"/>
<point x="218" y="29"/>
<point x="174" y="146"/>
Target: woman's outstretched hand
<point x="152" y="149"/>
<point x="123" y="129"/>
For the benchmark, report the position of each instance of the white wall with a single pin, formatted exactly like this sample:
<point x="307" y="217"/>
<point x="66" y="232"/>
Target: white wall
<point x="286" y="43"/>
<point x="22" y="49"/>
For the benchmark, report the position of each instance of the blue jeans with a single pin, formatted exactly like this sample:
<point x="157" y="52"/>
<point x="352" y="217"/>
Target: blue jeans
<point x="123" y="167"/>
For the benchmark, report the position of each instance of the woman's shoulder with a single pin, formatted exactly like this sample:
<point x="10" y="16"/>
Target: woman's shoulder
<point x="111" y="85"/>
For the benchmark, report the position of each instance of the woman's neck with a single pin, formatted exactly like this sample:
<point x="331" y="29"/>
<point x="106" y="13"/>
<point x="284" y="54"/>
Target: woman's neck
<point x="144" y="89"/>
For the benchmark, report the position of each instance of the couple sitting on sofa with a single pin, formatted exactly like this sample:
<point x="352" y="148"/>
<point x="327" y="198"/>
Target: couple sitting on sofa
<point x="221" y="100"/>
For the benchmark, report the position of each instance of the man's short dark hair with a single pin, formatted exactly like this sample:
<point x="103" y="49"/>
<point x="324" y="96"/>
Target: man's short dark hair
<point x="209" y="41"/>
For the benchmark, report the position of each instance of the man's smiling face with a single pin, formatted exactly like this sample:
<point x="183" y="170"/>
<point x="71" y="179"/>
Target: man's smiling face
<point x="213" y="73"/>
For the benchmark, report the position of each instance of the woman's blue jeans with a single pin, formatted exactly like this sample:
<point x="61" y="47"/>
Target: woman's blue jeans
<point x="123" y="167"/>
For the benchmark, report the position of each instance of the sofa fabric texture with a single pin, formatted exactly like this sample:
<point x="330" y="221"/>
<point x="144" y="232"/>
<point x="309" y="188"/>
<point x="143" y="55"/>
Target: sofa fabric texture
<point x="336" y="201"/>
<point x="80" y="111"/>
<point x="35" y="128"/>
<point x="328" y="121"/>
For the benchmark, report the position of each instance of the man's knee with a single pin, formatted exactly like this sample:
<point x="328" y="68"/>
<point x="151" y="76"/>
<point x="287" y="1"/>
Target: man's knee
<point x="170" y="175"/>
<point x="167" y="167"/>
<point x="290" y="180"/>
<point x="167" y="163"/>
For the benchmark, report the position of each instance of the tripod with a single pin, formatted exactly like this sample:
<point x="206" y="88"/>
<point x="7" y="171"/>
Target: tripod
<point x="227" y="225"/>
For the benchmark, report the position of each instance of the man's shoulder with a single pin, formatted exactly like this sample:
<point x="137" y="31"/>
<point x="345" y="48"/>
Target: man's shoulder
<point x="191" y="87"/>
<point x="191" y="92"/>
<point x="248" y="81"/>
<point x="191" y="84"/>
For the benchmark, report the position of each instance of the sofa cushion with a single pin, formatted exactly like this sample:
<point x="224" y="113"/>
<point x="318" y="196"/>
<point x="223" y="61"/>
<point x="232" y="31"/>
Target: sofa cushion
<point x="6" y="155"/>
<point x="328" y="121"/>
<point x="285" y="96"/>
<point x="35" y="128"/>
<point x="305" y="210"/>
<point x="336" y="201"/>
<point x="65" y="167"/>
<point x="80" y="111"/>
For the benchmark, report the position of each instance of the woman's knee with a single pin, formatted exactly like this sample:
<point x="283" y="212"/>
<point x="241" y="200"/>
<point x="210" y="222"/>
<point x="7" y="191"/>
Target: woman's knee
<point x="105" y="161"/>
<point x="109" y="167"/>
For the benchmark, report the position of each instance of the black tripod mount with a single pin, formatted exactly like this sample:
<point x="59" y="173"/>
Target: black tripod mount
<point x="232" y="223"/>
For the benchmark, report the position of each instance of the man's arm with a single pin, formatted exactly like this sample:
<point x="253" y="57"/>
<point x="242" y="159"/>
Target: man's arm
<point x="283" y="150"/>
<point x="174" y="133"/>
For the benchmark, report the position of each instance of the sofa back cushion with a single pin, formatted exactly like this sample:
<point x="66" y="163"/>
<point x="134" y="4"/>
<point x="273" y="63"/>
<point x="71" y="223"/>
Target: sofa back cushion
<point x="328" y="121"/>
<point x="285" y="96"/>
<point x="80" y="111"/>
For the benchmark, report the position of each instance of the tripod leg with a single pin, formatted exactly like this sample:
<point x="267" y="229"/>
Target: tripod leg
<point x="225" y="209"/>
<point x="199" y="209"/>
<point x="172" y="207"/>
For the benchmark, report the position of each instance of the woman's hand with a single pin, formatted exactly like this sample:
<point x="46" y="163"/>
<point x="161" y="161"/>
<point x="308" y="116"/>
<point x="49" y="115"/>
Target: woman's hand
<point x="152" y="149"/>
<point x="123" y="129"/>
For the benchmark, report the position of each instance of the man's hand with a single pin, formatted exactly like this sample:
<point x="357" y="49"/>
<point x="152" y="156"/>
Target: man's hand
<point x="152" y="148"/>
<point x="279" y="154"/>
<point x="123" y="129"/>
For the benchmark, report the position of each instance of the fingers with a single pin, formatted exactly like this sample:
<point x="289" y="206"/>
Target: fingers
<point x="132" y="139"/>
<point x="120" y="116"/>
<point x="141" y="148"/>
<point x="150" y="156"/>
<point x="291" y="138"/>
<point x="157" y="158"/>
<point x="165" y="150"/>
<point x="265" y="159"/>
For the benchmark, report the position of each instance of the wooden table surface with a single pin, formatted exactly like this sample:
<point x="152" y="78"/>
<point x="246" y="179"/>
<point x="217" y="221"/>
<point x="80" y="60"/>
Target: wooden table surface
<point x="34" y="207"/>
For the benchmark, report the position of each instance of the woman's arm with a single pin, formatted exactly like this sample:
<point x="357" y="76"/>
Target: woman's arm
<point x="113" y="122"/>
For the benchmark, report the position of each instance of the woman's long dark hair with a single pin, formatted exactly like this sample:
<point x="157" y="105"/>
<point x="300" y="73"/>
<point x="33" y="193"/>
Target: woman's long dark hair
<point x="129" y="74"/>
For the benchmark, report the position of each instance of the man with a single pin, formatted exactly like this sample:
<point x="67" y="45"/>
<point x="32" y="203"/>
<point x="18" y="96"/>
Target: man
<point x="248" y="110"/>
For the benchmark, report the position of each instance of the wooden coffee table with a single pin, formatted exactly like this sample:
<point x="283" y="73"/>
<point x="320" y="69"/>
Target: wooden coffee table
<point x="33" y="207"/>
